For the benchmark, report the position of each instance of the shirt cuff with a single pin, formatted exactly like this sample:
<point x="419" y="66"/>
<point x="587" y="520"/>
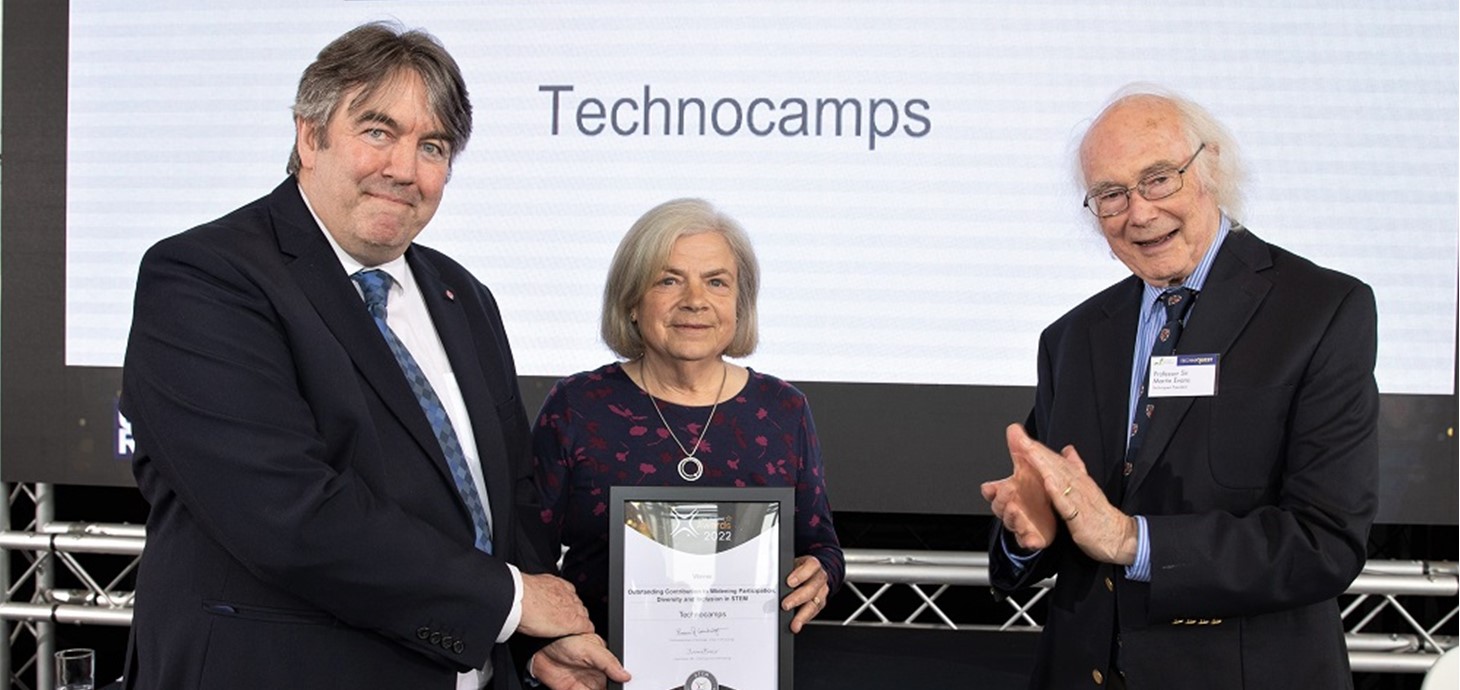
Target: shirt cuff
<point x="514" y="617"/>
<point x="1140" y="570"/>
<point x="1019" y="562"/>
<point x="530" y="680"/>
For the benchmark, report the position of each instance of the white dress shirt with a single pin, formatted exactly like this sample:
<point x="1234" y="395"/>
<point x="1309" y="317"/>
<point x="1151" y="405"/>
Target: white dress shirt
<point x="408" y="318"/>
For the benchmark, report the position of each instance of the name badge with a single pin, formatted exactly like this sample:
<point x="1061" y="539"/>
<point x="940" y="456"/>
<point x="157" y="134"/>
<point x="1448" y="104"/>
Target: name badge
<point x="1183" y="376"/>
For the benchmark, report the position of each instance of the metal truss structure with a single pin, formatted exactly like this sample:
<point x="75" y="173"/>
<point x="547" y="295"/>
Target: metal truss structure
<point x="1400" y="615"/>
<point x="57" y="573"/>
<point x="1396" y="613"/>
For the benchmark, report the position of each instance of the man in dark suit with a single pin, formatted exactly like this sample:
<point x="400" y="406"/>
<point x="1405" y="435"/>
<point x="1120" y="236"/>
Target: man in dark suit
<point x="1216" y="479"/>
<point x="328" y="423"/>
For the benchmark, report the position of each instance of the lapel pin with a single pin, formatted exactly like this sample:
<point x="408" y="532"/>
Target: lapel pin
<point x="451" y="295"/>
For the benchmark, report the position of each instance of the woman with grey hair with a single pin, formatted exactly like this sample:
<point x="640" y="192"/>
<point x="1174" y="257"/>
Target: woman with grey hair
<point x="679" y="299"/>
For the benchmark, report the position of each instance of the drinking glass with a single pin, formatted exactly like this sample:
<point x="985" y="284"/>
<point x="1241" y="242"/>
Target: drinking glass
<point x="75" y="669"/>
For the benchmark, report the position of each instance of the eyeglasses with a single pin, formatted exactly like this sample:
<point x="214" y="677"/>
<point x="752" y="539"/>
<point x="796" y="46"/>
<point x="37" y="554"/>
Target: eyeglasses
<point x="1113" y="201"/>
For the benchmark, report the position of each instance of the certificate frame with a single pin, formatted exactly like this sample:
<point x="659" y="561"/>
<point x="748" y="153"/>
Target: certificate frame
<point x="783" y="498"/>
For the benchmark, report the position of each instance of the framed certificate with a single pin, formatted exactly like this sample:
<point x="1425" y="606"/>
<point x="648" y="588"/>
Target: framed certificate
<point x="696" y="578"/>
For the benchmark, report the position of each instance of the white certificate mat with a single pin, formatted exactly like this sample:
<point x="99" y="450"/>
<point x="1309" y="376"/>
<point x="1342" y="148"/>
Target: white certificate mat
<point x="696" y="579"/>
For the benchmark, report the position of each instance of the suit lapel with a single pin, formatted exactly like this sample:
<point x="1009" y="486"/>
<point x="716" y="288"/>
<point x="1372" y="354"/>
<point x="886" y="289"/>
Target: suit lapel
<point x="454" y="329"/>
<point x="1112" y="343"/>
<point x="323" y="282"/>
<point x="1232" y="293"/>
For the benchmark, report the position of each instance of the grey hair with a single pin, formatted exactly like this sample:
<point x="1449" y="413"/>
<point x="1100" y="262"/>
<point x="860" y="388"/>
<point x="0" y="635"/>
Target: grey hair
<point x="1222" y="175"/>
<point x="373" y="56"/>
<point x="643" y="254"/>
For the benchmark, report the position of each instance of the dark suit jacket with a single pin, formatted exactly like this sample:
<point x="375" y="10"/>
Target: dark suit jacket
<point x="305" y="531"/>
<point x="1258" y="499"/>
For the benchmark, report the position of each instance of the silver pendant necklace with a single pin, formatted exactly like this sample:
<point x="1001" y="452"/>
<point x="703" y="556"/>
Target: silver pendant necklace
<point x="690" y="468"/>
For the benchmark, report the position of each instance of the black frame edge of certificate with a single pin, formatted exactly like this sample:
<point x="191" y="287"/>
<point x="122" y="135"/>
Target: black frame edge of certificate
<point x="783" y="495"/>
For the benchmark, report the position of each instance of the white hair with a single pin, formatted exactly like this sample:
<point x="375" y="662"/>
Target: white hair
<point x="1222" y="175"/>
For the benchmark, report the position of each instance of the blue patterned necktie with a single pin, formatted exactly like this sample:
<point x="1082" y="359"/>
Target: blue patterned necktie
<point x="375" y="285"/>
<point x="1177" y="301"/>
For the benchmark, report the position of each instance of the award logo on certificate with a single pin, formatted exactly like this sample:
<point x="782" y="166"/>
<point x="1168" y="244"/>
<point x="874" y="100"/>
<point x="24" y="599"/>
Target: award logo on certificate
<point x="696" y="579"/>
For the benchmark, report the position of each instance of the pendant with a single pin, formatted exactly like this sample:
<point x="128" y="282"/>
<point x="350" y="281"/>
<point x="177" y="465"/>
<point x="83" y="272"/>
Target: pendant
<point x="691" y="469"/>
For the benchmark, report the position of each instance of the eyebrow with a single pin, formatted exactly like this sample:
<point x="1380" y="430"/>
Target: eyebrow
<point x="706" y="274"/>
<point x="1152" y="169"/>
<point x="381" y="118"/>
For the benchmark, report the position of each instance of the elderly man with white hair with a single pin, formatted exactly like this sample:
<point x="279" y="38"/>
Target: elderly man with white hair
<point x="1200" y="465"/>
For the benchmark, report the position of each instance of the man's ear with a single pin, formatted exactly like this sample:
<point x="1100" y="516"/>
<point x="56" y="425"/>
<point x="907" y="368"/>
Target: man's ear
<point x="305" y="143"/>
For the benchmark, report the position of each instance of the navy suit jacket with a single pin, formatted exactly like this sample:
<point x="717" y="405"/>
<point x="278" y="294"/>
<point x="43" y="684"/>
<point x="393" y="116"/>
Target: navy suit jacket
<point x="305" y="530"/>
<point x="1258" y="499"/>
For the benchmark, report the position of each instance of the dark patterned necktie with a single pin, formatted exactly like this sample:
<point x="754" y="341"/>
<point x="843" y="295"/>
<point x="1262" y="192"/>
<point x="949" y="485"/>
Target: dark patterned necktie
<point x="375" y="285"/>
<point x="1177" y="301"/>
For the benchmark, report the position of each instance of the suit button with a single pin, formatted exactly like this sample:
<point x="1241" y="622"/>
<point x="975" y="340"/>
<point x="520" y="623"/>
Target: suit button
<point x="423" y="633"/>
<point x="458" y="647"/>
<point x="446" y="641"/>
<point x="1109" y="584"/>
<point x="1097" y="676"/>
<point x="435" y="638"/>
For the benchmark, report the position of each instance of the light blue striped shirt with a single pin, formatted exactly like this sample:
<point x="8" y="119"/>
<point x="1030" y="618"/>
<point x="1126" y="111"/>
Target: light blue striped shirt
<point x="1153" y="316"/>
